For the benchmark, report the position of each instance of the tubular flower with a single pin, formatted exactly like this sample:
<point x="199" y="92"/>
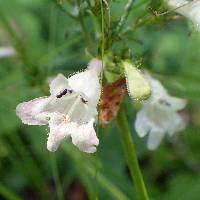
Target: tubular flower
<point x="159" y="115"/>
<point x="70" y="110"/>
<point x="189" y="9"/>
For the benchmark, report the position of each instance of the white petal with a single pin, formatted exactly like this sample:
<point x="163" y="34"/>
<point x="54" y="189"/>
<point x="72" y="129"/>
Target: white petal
<point x="60" y="128"/>
<point x="85" y="138"/>
<point x="7" y="51"/>
<point x="176" y="124"/>
<point x="58" y="84"/>
<point x="83" y="113"/>
<point x="73" y="106"/>
<point x="158" y="115"/>
<point x="177" y="3"/>
<point x="158" y="91"/>
<point x="190" y="9"/>
<point x="163" y="118"/>
<point x="86" y="83"/>
<point x="61" y="105"/>
<point x="154" y="139"/>
<point x="95" y="65"/>
<point x="161" y="96"/>
<point x="141" y="123"/>
<point x="194" y="13"/>
<point x="31" y="112"/>
<point x="176" y="103"/>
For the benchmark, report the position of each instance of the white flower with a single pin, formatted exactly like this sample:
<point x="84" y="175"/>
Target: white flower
<point x="189" y="9"/>
<point x="7" y="51"/>
<point x="70" y="110"/>
<point x="158" y="115"/>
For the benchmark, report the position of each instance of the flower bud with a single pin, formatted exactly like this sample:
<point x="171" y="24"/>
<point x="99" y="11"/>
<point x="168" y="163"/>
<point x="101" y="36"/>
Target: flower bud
<point x="138" y="87"/>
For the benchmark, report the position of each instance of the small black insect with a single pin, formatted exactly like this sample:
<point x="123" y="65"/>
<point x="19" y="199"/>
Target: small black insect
<point x="83" y="100"/>
<point x="59" y="95"/>
<point x="65" y="91"/>
<point x="162" y="101"/>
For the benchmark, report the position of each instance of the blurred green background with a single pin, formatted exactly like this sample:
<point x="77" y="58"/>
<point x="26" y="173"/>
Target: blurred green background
<point x="48" y="41"/>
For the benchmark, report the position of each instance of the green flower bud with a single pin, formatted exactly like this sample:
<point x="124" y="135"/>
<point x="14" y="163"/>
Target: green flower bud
<point x="138" y="87"/>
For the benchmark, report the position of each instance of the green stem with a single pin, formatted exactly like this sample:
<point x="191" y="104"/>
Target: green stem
<point x="102" y="40"/>
<point x="102" y="30"/>
<point x="130" y="153"/>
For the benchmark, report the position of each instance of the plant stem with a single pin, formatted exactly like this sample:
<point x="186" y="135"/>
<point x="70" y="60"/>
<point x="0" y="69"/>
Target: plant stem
<point x="102" y="41"/>
<point x="102" y="30"/>
<point x="130" y="153"/>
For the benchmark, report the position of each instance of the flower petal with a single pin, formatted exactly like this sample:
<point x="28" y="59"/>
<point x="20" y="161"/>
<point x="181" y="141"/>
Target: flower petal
<point x="85" y="138"/>
<point x="141" y="123"/>
<point x="7" y="51"/>
<point x="72" y="106"/>
<point x="177" y="3"/>
<point x="158" y="115"/>
<point x="60" y="128"/>
<point x="176" y="103"/>
<point x="31" y="112"/>
<point x="61" y="105"/>
<point x="189" y="9"/>
<point x="86" y="83"/>
<point x="95" y="65"/>
<point x="83" y="113"/>
<point x="157" y="88"/>
<point x="176" y="124"/>
<point x="58" y="84"/>
<point x="161" y="96"/>
<point x="154" y="139"/>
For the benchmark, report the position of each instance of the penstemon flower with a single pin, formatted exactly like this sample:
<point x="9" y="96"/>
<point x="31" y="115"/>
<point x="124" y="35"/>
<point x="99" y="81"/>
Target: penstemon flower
<point x="158" y="115"/>
<point x="70" y="110"/>
<point x="189" y="9"/>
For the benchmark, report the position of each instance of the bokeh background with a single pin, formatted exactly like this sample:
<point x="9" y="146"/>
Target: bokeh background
<point x="50" y="41"/>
